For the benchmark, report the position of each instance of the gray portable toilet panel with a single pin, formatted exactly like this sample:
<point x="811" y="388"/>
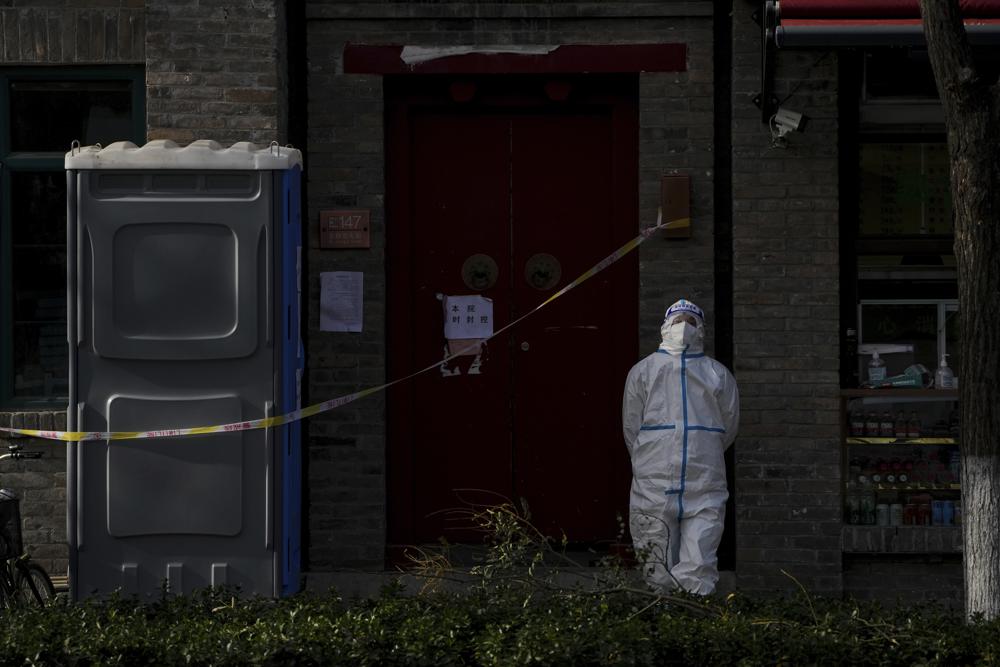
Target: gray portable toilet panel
<point x="208" y="243"/>
<point x="187" y="486"/>
<point x="174" y="313"/>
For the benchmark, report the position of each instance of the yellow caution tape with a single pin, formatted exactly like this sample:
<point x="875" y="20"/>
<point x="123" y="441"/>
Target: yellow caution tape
<point x="325" y="406"/>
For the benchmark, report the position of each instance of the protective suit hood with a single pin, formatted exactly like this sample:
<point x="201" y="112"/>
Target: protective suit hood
<point x="678" y="337"/>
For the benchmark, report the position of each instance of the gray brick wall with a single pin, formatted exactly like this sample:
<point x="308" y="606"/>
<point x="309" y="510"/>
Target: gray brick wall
<point x="50" y="32"/>
<point x="41" y="486"/>
<point x="214" y="71"/>
<point x="346" y="496"/>
<point x="786" y="318"/>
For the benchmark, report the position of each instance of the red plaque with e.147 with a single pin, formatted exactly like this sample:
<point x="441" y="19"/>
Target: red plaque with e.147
<point x="344" y="229"/>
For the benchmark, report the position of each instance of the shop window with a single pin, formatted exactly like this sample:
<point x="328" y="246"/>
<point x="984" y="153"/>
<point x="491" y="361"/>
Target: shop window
<point x="904" y="190"/>
<point x="904" y="231"/>
<point x="900" y="283"/>
<point x="914" y="331"/>
<point x="907" y="287"/>
<point x="42" y="110"/>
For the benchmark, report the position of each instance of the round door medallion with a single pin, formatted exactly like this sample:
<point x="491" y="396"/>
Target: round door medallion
<point x="480" y="272"/>
<point x="542" y="271"/>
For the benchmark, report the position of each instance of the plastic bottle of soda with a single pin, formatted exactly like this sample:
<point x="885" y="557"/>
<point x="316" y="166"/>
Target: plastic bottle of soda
<point x="902" y="428"/>
<point x="886" y="426"/>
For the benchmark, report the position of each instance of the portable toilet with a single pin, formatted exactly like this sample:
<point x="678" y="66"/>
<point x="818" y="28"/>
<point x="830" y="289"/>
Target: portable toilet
<point x="184" y="300"/>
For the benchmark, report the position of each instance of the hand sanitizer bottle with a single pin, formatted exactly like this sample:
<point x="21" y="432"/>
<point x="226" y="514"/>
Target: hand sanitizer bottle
<point x="943" y="377"/>
<point x="876" y="370"/>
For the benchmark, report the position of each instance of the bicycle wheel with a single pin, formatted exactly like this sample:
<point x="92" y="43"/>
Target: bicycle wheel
<point x="8" y="596"/>
<point x="32" y="585"/>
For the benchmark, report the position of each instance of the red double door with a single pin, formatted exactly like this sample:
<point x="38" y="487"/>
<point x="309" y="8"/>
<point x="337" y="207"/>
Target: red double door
<point x="511" y="196"/>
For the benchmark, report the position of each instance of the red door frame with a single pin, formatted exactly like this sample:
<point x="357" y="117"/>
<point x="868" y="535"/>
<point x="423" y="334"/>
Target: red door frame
<point x="404" y="95"/>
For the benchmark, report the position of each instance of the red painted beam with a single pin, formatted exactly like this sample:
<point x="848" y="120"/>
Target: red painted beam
<point x="874" y="23"/>
<point x="567" y="58"/>
<point x="875" y="9"/>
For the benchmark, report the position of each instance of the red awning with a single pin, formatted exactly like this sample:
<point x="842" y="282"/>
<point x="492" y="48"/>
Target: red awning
<point x="872" y="22"/>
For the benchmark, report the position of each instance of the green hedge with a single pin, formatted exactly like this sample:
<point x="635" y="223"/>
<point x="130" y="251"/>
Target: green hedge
<point x="493" y="626"/>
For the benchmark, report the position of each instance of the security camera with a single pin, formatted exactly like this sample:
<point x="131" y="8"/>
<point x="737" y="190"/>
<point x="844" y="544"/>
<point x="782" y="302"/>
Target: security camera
<point x="786" y="120"/>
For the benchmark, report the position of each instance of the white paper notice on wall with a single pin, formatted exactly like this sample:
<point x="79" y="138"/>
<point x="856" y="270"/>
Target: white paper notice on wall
<point x="341" y="300"/>
<point x="468" y="317"/>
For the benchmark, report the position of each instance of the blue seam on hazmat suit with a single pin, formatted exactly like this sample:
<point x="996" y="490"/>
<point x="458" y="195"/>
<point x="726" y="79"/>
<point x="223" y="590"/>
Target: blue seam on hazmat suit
<point x="659" y="427"/>
<point x="684" y="457"/>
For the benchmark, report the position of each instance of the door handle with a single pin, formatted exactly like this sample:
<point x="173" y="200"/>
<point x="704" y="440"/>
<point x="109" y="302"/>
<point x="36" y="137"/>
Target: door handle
<point x="524" y="346"/>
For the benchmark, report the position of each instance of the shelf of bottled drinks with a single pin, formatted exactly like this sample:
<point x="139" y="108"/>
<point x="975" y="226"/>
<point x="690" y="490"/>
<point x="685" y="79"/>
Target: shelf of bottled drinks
<point x="901" y="468"/>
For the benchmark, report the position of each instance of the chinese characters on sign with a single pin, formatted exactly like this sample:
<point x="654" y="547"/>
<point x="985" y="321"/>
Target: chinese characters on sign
<point x="468" y="317"/>
<point x="344" y="229"/>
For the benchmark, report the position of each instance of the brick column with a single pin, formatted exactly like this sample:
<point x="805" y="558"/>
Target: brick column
<point x="346" y="447"/>
<point x="786" y="321"/>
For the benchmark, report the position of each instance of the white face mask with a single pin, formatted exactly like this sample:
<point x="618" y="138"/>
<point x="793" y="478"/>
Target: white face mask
<point x="681" y="335"/>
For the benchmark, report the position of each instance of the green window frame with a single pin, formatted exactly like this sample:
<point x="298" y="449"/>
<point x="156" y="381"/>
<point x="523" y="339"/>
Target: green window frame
<point x="17" y="163"/>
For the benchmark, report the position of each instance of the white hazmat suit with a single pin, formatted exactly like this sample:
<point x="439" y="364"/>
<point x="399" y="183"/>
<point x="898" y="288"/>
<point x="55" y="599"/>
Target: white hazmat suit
<point x="680" y="412"/>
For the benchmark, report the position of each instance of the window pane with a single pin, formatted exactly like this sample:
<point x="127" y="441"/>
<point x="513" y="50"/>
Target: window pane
<point x="38" y="207"/>
<point x="904" y="190"/>
<point x="912" y="324"/>
<point x="40" y="360"/>
<point x="49" y="115"/>
<point x="39" y="277"/>
<point x="38" y="283"/>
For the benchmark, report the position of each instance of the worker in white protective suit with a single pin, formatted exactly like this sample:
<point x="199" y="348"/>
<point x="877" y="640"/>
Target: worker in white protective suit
<point x="680" y="413"/>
